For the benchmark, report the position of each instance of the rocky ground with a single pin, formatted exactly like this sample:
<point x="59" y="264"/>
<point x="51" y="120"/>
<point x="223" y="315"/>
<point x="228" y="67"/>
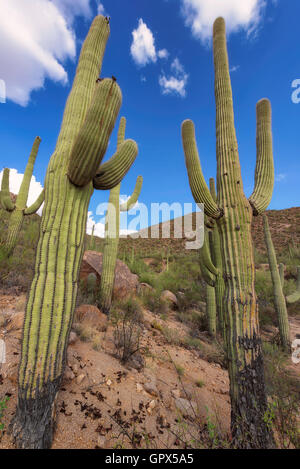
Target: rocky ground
<point x="105" y="404"/>
<point x="167" y="397"/>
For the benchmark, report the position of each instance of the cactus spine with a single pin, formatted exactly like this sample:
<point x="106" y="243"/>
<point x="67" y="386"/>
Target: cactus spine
<point x="89" y="117"/>
<point x="112" y="230"/>
<point x="19" y="209"/>
<point x="233" y="215"/>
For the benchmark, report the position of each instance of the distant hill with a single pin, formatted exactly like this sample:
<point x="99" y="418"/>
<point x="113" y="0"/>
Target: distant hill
<point x="284" y="226"/>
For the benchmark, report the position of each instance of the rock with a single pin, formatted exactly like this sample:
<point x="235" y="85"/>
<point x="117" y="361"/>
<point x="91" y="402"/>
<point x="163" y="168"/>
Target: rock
<point x="176" y="393"/>
<point x="145" y="287"/>
<point x="125" y="282"/>
<point x="73" y="338"/>
<point x="91" y="316"/>
<point x="151" y="389"/>
<point x="16" y="321"/>
<point x="169" y="297"/>
<point x="102" y="442"/>
<point x="69" y="375"/>
<point x="187" y="408"/>
<point x="109" y="382"/>
<point x="151" y="406"/>
<point x="80" y="378"/>
<point x="136" y="361"/>
<point x="139" y="387"/>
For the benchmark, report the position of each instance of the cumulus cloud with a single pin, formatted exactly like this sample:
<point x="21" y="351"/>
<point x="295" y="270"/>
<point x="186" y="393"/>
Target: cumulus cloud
<point x="163" y="54"/>
<point x="199" y="15"/>
<point x="38" y="38"/>
<point x="176" y="83"/>
<point x="142" y="48"/>
<point x="72" y="8"/>
<point x="99" y="229"/>
<point x="35" y="188"/>
<point x="280" y="177"/>
<point x="234" y="68"/>
<point x="100" y="9"/>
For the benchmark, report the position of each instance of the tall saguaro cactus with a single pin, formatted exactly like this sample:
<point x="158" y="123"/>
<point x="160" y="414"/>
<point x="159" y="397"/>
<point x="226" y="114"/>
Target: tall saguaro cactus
<point x="19" y="209"/>
<point x="233" y="215"/>
<point x="277" y="275"/>
<point x="112" y="230"/>
<point x="73" y="172"/>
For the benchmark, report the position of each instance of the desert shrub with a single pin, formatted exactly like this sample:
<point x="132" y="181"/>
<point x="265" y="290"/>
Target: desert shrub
<point x="127" y="319"/>
<point x="283" y="391"/>
<point x="264" y="288"/>
<point x="3" y="405"/>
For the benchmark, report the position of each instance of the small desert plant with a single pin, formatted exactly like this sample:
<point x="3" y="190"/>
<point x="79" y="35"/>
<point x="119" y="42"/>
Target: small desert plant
<point x="127" y="320"/>
<point x="283" y="398"/>
<point x="3" y="405"/>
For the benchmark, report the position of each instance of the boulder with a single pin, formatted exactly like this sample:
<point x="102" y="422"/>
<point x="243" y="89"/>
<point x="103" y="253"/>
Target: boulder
<point x="169" y="297"/>
<point x="187" y="408"/>
<point x="91" y="316"/>
<point x="125" y="284"/>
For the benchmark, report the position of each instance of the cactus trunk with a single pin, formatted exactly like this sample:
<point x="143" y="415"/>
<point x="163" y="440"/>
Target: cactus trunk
<point x="279" y="299"/>
<point x="110" y="251"/>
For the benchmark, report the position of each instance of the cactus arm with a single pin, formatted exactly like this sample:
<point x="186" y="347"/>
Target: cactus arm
<point x="211" y="309"/>
<point x="134" y="197"/>
<point x="281" y="274"/>
<point x="197" y="182"/>
<point x="92" y="140"/>
<point x="205" y="255"/>
<point x="264" y="171"/>
<point x="36" y="205"/>
<point x="111" y="173"/>
<point x="24" y="189"/>
<point x="296" y="295"/>
<point x="5" y="199"/>
<point x="279" y="300"/>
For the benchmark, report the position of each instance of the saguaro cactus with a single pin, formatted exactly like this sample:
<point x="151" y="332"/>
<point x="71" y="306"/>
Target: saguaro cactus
<point x="211" y="268"/>
<point x="112" y="230"/>
<point x="89" y="117"/>
<point x="277" y="275"/>
<point x="92" y="239"/>
<point x="233" y="215"/>
<point x="19" y="209"/>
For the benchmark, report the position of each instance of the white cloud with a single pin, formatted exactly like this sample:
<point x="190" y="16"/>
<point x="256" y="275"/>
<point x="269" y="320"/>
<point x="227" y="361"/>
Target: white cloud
<point x="163" y="54"/>
<point x="100" y="9"/>
<point x="234" y="68"/>
<point x="99" y="229"/>
<point x="38" y="38"/>
<point x="280" y="177"/>
<point x="72" y="8"/>
<point x="176" y="83"/>
<point x="142" y="48"/>
<point x="35" y="188"/>
<point x="199" y="15"/>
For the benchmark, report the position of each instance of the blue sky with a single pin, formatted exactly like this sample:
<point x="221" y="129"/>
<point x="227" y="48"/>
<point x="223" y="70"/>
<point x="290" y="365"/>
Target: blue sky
<point x="160" y="51"/>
